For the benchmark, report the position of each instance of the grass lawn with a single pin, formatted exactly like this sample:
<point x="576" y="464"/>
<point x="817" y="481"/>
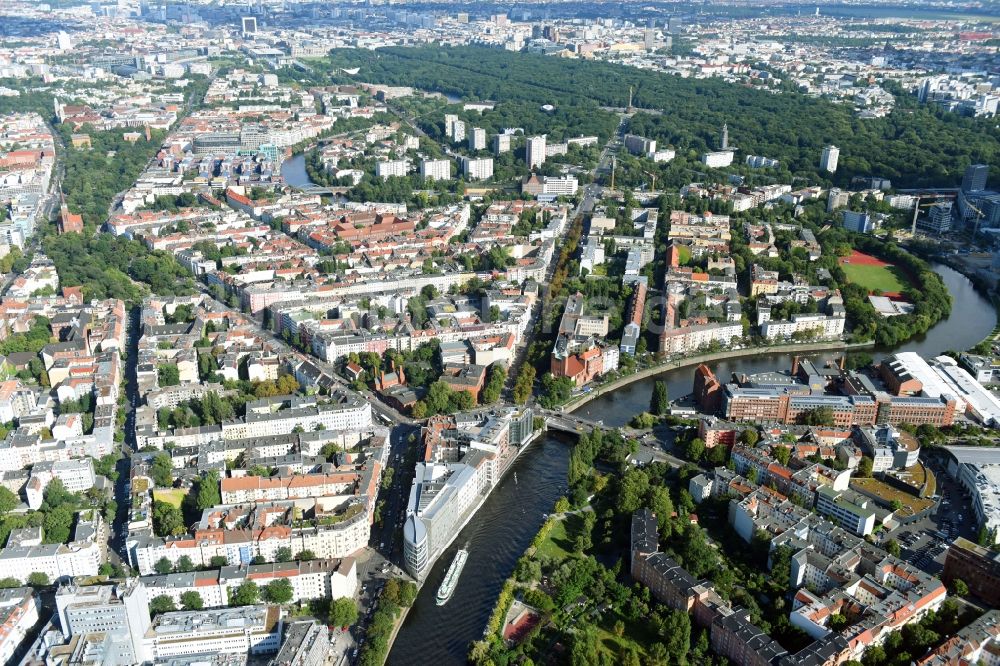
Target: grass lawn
<point x="637" y="635"/>
<point x="558" y="544"/>
<point x="875" y="278"/>
<point x="170" y="495"/>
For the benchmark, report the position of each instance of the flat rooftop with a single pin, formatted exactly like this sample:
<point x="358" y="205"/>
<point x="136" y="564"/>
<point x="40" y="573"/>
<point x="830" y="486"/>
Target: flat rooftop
<point x="976" y="455"/>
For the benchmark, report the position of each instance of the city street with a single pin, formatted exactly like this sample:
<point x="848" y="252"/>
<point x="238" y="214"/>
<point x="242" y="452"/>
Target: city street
<point x="386" y="538"/>
<point x="119" y="528"/>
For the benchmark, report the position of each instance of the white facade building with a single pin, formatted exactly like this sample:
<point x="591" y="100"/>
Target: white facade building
<point x="560" y="186"/>
<point x="57" y="561"/>
<point x="501" y="144"/>
<point x="478" y="168"/>
<point x="77" y="475"/>
<point x="828" y="160"/>
<point x="534" y="152"/>
<point x="315" y="579"/>
<point x="245" y="630"/>
<point x="18" y="615"/>
<point x="477" y="139"/>
<point x="718" y="159"/>
<point x="822" y="325"/>
<point x="442" y="498"/>
<point x="390" y="168"/>
<point x="435" y="169"/>
<point x="119" y="611"/>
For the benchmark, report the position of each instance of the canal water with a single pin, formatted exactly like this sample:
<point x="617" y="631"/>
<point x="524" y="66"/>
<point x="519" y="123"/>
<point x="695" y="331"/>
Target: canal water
<point x="495" y="538"/>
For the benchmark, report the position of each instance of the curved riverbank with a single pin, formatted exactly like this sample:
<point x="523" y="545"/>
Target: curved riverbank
<point x="805" y="348"/>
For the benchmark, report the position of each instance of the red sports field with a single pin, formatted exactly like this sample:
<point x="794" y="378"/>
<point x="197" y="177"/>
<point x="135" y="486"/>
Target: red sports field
<point x="856" y="257"/>
<point x="874" y="274"/>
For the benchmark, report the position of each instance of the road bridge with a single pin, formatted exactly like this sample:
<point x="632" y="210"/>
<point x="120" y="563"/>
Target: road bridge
<point x="569" y="423"/>
<point x="324" y="191"/>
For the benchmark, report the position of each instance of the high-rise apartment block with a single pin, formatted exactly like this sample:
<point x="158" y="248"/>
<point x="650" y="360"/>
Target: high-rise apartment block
<point x="478" y="169"/>
<point x="639" y="145"/>
<point x="534" y="152"/>
<point x="828" y="160"/>
<point x="390" y="168"/>
<point x="477" y="139"/>
<point x="975" y="177"/>
<point x="435" y="169"/>
<point x="858" y="221"/>
<point x="501" y="144"/>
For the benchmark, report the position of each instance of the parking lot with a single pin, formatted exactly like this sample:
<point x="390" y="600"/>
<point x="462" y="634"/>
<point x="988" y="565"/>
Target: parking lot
<point x="925" y="542"/>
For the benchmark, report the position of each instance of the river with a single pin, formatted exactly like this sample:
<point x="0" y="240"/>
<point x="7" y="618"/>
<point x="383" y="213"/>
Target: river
<point x="509" y="519"/>
<point x="972" y="318"/>
<point x="497" y="536"/>
<point x="293" y="170"/>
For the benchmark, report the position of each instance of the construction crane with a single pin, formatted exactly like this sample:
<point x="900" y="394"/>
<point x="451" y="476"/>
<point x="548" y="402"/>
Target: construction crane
<point x="917" y="206"/>
<point x="979" y="218"/>
<point x="652" y="188"/>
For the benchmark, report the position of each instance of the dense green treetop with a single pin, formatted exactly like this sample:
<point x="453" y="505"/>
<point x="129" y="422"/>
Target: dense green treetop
<point x="913" y="146"/>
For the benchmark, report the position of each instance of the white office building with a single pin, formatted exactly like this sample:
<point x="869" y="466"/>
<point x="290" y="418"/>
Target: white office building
<point x="442" y="499"/>
<point x="977" y="468"/>
<point x="560" y="186"/>
<point x="663" y="155"/>
<point x="120" y="612"/>
<point x="938" y="219"/>
<point x="639" y="145"/>
<point x="246" y="630"/>
<point x="847" y="509"/>
<point x="306" y="643"/>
